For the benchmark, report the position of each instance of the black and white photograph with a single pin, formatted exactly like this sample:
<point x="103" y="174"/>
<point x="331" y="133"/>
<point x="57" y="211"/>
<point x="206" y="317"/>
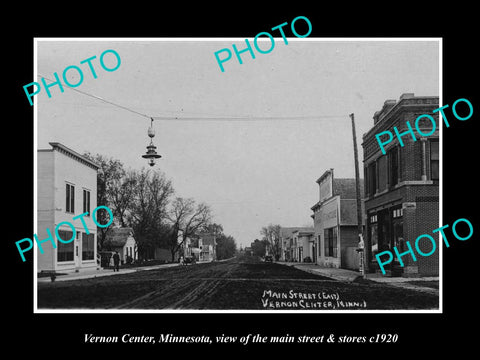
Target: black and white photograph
<point x="241" y="189"/>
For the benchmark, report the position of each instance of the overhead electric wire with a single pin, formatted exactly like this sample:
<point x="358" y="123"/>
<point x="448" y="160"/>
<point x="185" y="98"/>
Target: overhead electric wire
<point x="199" y="118"/>
<point x="99" y="98"/>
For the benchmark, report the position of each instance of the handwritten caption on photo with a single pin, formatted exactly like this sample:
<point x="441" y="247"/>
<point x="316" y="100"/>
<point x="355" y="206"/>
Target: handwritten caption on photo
<point x="307" y="300"/>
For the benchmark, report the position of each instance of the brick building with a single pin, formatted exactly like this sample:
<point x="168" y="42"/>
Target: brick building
<point x="402" y="186"/>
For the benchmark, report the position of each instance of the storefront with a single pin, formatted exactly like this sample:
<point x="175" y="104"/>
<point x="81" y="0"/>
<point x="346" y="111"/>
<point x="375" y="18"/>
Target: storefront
<point x="385" y="231"/>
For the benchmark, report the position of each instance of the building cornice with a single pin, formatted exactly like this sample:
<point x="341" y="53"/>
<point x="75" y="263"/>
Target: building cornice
<point x="406" y="103"/>
<point x="73" y="154"/>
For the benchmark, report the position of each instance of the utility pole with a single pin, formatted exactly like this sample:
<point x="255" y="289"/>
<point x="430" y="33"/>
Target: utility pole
<point x="359" y="198"/>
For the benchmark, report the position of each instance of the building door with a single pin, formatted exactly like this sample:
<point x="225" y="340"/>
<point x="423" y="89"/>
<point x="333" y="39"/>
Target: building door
<point x="77" y="257"/>
<point x="314" y="253"/>
<point x="76" y="252"/>
<point x="384" y="231"/>
<point x="300" y="254"/>
<point x="390" y="234"/>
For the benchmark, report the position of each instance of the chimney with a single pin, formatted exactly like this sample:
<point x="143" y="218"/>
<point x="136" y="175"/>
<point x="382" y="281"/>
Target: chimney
<point x="406" y="96"/>
<point x="387" y="105"/>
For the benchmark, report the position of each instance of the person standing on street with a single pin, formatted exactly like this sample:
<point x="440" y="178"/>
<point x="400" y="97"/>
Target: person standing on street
<point x="116" y="261"/>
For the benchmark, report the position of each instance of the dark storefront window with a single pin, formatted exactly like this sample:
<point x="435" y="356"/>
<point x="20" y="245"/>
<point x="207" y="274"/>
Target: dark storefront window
<point x="88" y="243"/>
<point x="384" y="230"/>
<point x="65" y="251"/>
<point x="390" y="229"/>
<point x="397" y="220"/>
<point x="330" y="238"/>
<point x="373" y="235"/>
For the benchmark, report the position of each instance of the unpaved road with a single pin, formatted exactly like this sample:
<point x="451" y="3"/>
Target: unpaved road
<point x="236" y="284"/>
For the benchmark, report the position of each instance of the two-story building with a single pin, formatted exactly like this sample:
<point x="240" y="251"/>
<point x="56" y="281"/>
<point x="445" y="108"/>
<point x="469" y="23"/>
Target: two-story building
<point x="66" y="187"/>
<point x="402" y="186"/>
<point x="335" y="222"/>
<point x="208" y="247"/>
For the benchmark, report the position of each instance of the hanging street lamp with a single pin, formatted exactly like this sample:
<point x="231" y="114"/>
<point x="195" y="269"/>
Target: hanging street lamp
<point x="151" y="154"/>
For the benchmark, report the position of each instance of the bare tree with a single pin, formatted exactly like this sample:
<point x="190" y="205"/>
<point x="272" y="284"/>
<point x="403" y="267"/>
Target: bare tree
<point x="121" y="193"/>
<point x="187" y="219"/>
<point x="148" y="212"/>
<point x="271" y="235"/>
<point x="214" y="229"/>
<point x="109" y="176"/>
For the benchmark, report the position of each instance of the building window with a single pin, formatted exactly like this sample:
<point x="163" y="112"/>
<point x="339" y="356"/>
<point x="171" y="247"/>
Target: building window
<point x="372" y="178"/>
<point x="397" y="213"/>
<point x="393" y="166"/>
<point x="65" y="251"/>
<point x="88" y="246"/>
<point x="70" y="198"/>
<point x="382" y="173"/>
<point x="373" y="235"/>
<point x="330" y="238"/>
<point x="86" y="202"/>
<point x="397" y="227"/>
<point x="434" y="160"/>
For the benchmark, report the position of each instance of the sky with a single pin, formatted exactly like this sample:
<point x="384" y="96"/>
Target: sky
<point x="251" y="141"/>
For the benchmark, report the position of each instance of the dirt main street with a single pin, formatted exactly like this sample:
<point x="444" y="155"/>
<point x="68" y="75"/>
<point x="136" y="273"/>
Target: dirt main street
<point x="242" y="283"/>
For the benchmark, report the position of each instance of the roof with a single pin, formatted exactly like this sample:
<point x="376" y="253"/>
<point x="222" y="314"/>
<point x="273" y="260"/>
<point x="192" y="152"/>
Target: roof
<point x="117" y="237"/>
<point x="392" y="106"/>
<point x="305" y="231"/>
<point x="208" y="239"/>
<point x="71" y="153"/>
<point x="288" y="231"/>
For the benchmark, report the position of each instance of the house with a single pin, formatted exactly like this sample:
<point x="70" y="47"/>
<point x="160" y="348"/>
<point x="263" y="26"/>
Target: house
<point x="207" y="245"/>
<point x="290" y="243"/>
<point x="66" y="187"/>
<point x="402" y="186"/>
<point x="335" y="222"/>
<point x="191" y="247"/>
<point x="122" y="240"/>
<point x="304" y="241"/>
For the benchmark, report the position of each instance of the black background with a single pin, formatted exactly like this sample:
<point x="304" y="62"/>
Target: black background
<point x="44" y="334"/>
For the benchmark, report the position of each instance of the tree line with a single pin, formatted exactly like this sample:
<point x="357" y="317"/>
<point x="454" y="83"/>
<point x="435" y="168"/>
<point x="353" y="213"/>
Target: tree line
<point x="269" y="243"/>
<point x="145" y="201"/>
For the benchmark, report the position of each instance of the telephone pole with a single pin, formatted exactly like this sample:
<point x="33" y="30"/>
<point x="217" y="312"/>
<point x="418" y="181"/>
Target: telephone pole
<point x="359" y="198"/>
